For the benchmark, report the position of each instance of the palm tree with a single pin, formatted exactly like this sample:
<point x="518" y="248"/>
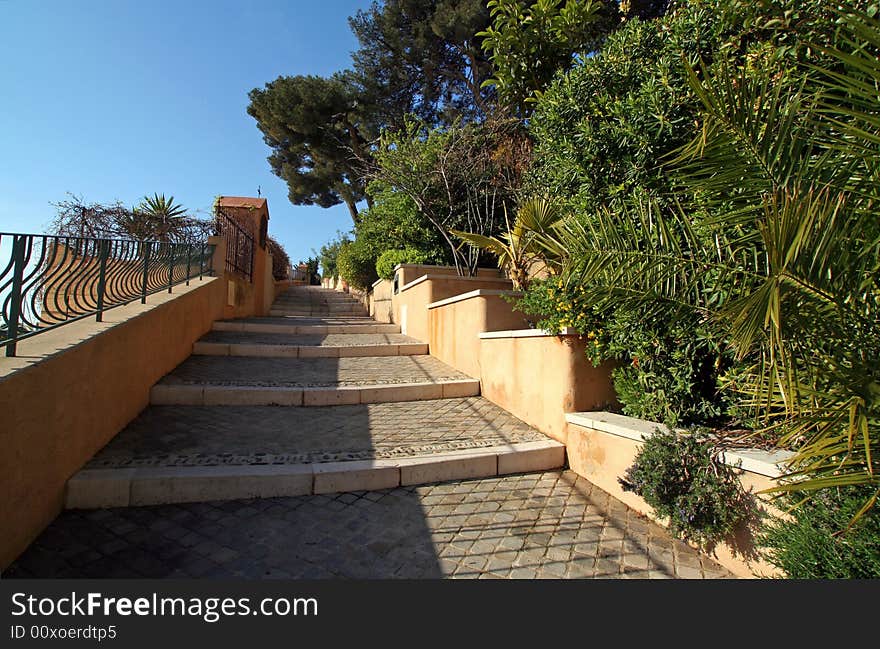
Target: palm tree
<point x="778" y="249"/>
<point x="525" y="242"/>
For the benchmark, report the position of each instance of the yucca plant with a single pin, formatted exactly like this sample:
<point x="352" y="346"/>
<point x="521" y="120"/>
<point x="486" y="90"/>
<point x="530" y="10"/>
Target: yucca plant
<point x="528" y="239"/>
<point x="774" y="246"/>
<point x="161" y="218"/>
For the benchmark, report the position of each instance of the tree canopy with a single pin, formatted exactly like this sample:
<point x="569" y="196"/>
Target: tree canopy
<point x="314" y="127"/>
<point x="423" y="57"/>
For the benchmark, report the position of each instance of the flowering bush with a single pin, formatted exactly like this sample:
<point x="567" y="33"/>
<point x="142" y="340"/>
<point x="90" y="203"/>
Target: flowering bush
<point x="667" y="372"/>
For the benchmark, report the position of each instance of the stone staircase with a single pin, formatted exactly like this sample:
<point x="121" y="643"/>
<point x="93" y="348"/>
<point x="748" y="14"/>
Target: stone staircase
<point x="315" y="398"/>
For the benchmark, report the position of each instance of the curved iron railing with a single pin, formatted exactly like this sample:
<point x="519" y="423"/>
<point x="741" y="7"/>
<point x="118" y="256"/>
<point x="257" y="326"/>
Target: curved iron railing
<point x="48" y="280"/>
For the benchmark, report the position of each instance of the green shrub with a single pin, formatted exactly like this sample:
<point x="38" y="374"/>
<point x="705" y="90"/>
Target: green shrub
<point x="328" y="253"/>
<point x="390" y="258"/>
<point x="668" y="372"/>
<point x="683" y="480"/>
<point x="819" y="543"/>
<point x="356" y="264"/>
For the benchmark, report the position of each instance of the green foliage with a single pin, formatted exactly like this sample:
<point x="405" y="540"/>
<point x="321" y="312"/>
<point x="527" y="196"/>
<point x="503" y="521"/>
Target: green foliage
<point x="599" y="132"/>
<point x="390" y="258"/>
<point x="817" y="541"/>
<point x="312" y="271"/>
<point x="314" y="127"/>
<point x="393" y="222"/>
<point x="772" y="242"/>
<point x="666" y="371"/>
<point x="601" y="129"/>
<point x="669" y="372"/>
<point x="421" y="57"/>
<point x="356" y="263"/>
<point x="683" y="480"/>
<point x="462" y="177"/>
<point x="520" y="247"/>
<point x="327" y="256"/>
<point x="529" y="42"/>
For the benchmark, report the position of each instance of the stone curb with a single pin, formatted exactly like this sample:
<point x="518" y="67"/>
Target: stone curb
<point x="163" y="394"/>
<point x="99" y="488"/>
<point x="767" y="463"/>
<point x="294" y="329"/>
<point x="308" y="351"/>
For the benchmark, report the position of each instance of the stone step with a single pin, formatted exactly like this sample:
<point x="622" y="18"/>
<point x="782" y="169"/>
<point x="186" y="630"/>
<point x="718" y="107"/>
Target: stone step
<point x="224" y="343"/>
<point x="316" y="312"/>
<point x="347" y="308"/>
<point x="123" y="487"/>
<point x="309" y="381"/>
<point x="307" y="326"/>
<point x="195" y="394"/>
<point x="299" y="300"/>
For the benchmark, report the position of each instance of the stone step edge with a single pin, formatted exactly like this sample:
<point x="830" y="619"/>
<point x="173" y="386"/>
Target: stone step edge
<point x="294" y="329"/>
<point x="318" y="307"/>
<point x="99" y="488"/>
<point x="164" y="394"/>
<point x="308" y="351"/>
<point x="299" y="304"/>
<point x="274" y="313"/>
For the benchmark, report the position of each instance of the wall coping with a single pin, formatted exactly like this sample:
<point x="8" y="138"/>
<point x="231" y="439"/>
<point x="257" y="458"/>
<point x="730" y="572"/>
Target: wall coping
<point x="480" y="292"/>
<point x="753" y="460"/>
<point x="42" y="347"/>
<point x="425" y="278"/>
<point x="528" y="333"/>
<point x="438" y="266"/>
<point x="379" y="281"/>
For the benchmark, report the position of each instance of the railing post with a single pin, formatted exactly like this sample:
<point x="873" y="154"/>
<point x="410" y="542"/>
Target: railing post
<point x="18" y="246"/>
<point x="170" y="266"/>
<point x="188" y="261"/>
<point x="201" y="261"/>
<point x="147" y="247"/>
<point x="102" y="279"/>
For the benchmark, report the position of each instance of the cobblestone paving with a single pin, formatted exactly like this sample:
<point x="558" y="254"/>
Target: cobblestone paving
<point x="201" y="436"/>
<point x="301" y="372"/>
<point x="323" y="340"/>
<point x="550" y="525"/>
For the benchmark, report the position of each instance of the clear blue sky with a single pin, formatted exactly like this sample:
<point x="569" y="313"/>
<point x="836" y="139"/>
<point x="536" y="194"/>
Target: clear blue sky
<point x="117" y="99"/>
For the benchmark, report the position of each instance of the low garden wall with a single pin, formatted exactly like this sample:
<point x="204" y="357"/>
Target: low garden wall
<point x="601" y="446"/>
<point x="381" y="308"/>
<point x="410" y="303"/>
<point x="539" y="377"/>
<point x="455" y="325"/>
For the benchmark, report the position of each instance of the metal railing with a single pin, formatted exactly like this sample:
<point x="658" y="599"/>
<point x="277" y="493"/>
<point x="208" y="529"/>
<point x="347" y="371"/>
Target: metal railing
<point x="239" y="245"/>
<point x="48" y="280"/>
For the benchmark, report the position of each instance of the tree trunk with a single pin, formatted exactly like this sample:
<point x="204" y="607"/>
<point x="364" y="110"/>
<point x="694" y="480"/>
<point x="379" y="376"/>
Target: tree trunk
<point x="353" y="210"/>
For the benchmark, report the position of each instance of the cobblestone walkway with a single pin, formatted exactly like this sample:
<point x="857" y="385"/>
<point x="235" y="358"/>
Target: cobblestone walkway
<point x="549" y="525"/>
<point x="201" y="435"/>
<point x="312" y="372"/>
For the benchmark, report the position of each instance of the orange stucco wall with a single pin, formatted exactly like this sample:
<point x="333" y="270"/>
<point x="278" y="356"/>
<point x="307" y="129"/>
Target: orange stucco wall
<point x="455" y="329"/>
<point x="380" y="301"/>
<point x="540" y="378"/>
<point x="70" y="390"/>
<point x="410" y="304"/>
<point x="255" y="297"/>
